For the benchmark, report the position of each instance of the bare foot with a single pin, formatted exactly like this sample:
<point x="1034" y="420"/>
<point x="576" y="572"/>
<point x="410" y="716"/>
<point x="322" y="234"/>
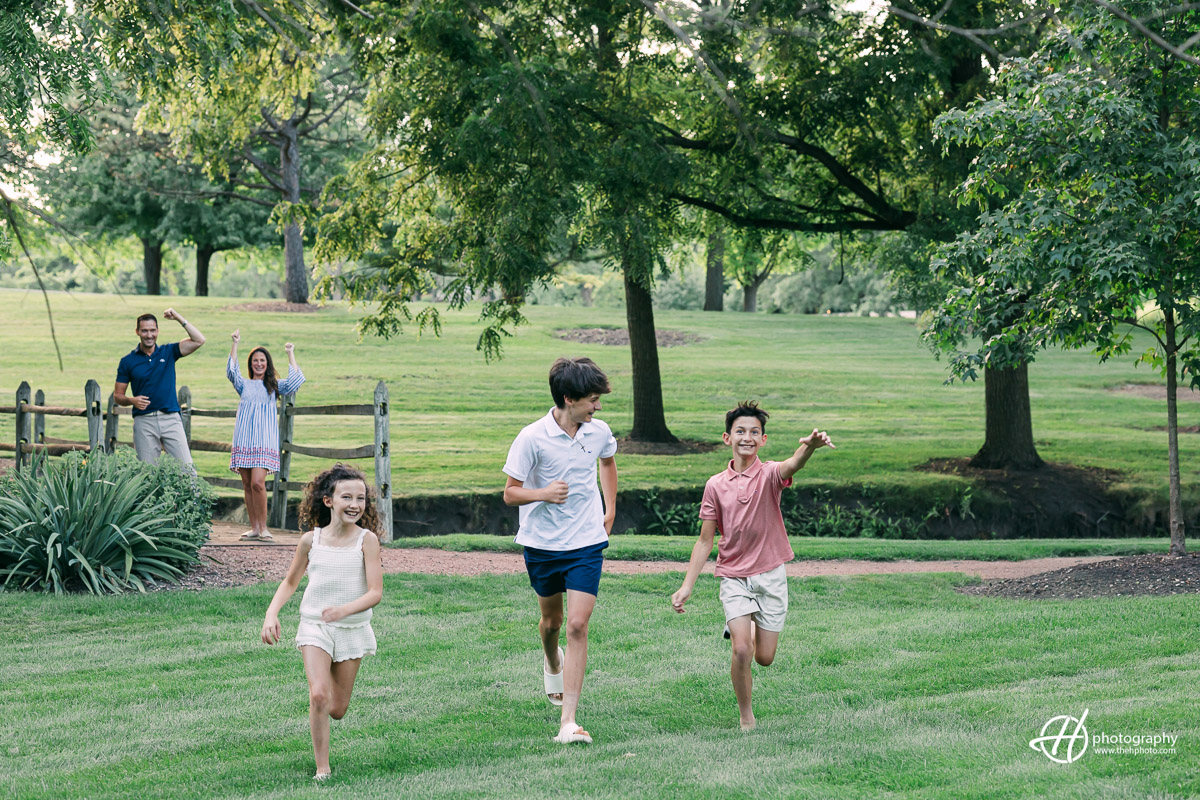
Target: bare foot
<point x="320" y="776"/>
<point x="748" y="725"/>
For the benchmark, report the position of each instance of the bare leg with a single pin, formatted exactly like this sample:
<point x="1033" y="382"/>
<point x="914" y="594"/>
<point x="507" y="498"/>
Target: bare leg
<point x="579" y="613"/>
<point x="318" y="668"/>
<point x="257" y="502"/>
<point x="344" y="673"/>
<point x="741" y="634"/>
<point x="765" y="645"/>
<point x="548" y="629"/>
<point x="244" y="473"/>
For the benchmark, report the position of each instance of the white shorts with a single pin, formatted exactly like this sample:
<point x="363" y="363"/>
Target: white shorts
<point x="342" y="644"/>
<point x="763" y="597"/>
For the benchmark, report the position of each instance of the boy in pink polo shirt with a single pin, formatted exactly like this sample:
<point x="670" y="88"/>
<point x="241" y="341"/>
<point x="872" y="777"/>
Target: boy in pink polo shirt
<point x="742" y="502"/>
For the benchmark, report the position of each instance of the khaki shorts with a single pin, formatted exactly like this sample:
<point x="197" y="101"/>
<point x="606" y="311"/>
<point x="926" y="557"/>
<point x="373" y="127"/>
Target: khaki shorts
<point x="342" y="644"/>
<point x="159" y="431"/>
<point x="763" y="597"/>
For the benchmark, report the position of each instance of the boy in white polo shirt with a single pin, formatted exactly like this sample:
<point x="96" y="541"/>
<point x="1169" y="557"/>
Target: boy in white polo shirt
<point x="742" y="502"/>
<point x="551" y="470"/>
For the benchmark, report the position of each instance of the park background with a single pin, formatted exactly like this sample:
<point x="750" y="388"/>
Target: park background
<point x="832" y="208"/>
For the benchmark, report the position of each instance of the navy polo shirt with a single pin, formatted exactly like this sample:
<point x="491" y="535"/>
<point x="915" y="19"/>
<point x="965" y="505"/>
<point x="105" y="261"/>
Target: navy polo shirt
<point x="151" y="375"/>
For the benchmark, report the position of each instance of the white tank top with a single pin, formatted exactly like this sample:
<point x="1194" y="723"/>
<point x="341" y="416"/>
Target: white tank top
<point x="336" y="576"/>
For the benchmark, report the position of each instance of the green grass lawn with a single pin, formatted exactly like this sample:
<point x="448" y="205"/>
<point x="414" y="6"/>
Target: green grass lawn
<point x="870" y="382"/>
<point x="679" y="548"/>
<point x="891" y="686"/>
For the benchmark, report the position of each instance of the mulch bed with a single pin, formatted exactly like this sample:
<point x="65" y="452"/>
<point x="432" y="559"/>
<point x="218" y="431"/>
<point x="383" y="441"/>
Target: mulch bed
<point x="1133" y="576"/>
<point x="278" y="306"/>
<point x="1155" y="391"/>
<point x="627" y="446"/>
<point x="620" y="336"/>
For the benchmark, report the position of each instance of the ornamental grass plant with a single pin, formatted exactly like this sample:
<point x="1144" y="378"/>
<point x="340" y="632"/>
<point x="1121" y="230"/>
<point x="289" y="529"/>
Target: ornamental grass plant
<point x="95" y="522"/>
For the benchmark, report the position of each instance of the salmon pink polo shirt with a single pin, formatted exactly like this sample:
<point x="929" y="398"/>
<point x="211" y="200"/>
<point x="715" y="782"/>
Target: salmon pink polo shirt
<point x="746" y="508"/>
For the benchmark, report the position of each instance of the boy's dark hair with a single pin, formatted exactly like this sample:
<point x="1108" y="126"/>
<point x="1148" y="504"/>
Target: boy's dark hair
<point x="137" y="325"/>
<point x="313" y="511"/>
<point x="746" y="408"/>
<point x="576" y="378"/>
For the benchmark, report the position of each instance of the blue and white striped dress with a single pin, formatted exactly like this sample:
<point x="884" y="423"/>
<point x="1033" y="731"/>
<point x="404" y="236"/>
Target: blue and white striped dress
<point x="256" y="429"/>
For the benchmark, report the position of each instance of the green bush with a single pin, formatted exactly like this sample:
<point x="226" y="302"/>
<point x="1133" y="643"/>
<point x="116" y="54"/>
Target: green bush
<point x="189" y="499"/>
<point x="668" y="519"/>
<point x="96" y="522"/>
<point x="824" y="517"/>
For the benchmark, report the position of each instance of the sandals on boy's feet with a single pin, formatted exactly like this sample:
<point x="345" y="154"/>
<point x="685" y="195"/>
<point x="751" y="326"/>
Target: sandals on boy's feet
<point x="266" y="536"/>
<point x="572" y="732"/>
<point x="250" y="536"/>
<point x="553" y="682"/>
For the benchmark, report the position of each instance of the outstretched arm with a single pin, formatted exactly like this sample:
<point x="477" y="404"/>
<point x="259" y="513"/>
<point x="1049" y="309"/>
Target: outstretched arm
<point x="236" y="336"/>
<point x="808" y="445"/>
<point x="271" y="631"/>
<point x="700" y="553"/>
<point x="295" y="377"/>
<point x="195" y="337"/>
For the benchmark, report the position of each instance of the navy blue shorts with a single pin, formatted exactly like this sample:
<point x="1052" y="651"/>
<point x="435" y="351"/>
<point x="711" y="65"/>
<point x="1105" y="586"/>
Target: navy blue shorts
<point x="552" y="572"/>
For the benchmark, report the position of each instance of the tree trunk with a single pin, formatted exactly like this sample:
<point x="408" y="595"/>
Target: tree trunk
<point x="204" y="254"/>
<point x="649" y="420"/>
<point x="714" y="274"/>
<point x="750" y="297"/>
<point x="296" y="280"/>
<point x="1008" y="438"/>
<point x="1178" y="546"/>
<point x="152" y="253"/>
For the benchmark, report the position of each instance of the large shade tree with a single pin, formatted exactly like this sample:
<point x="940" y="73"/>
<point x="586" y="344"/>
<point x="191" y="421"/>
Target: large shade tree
<point x="261" y="99"/>
<point x="503" y="124"/>
<point x="1100" y="237"/>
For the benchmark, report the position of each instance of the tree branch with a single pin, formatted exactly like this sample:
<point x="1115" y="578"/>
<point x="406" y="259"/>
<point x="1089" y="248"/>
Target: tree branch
<point x="1138" y="26"/>
<point x="265" y="170"/>
<point x="774" y="223"/>
<point x="12" y="221"/>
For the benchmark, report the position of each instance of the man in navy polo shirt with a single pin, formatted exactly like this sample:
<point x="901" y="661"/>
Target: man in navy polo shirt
<point x="149" y="371"/>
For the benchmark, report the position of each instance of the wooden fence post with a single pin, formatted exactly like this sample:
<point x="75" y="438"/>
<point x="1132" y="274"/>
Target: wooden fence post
<point x="278" y="515"/>
<point x="91" y="402"/>
<point x="111" y="421"/>
<point x="185" y="408"/>
<point x="22" y="420"/>
<point x="39" y="429"/>
<point x="383" y="462"/>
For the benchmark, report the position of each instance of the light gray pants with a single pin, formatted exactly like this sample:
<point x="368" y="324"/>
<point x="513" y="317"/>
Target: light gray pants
<point x="158" y="431"/>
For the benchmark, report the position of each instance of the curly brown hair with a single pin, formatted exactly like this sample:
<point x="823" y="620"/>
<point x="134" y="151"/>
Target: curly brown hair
<point x="313" y="511"/>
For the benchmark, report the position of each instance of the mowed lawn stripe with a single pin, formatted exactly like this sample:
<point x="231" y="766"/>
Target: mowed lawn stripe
<point x="884" y="685"/>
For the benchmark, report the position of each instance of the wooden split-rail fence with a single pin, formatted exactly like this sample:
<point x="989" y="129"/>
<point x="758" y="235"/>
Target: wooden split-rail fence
<point x="103" y="424"/>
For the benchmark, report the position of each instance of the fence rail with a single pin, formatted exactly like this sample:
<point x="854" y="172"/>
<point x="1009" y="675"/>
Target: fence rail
<point x="103" y="429"/>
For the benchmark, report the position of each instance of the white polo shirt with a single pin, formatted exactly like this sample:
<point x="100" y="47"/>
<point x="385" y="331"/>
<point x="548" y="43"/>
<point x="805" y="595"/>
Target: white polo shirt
<point x="543" y="453"/>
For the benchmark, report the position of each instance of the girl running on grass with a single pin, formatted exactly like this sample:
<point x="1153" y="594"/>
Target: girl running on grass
<point x="255" y="449"/>
<point x="345" y="581"/>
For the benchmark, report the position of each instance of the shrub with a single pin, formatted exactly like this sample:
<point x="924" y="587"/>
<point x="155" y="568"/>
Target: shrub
<point x="668" y="519"/>
<point x="92" y="522"/>
<point x="823" y="517"/>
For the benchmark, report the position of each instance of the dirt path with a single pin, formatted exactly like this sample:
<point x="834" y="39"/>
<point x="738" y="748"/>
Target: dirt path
<point x="229" y="562"/>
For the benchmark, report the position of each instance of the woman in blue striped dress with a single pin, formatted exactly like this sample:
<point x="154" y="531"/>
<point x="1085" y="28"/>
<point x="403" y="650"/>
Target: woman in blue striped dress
<point x="256" y="430"/>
